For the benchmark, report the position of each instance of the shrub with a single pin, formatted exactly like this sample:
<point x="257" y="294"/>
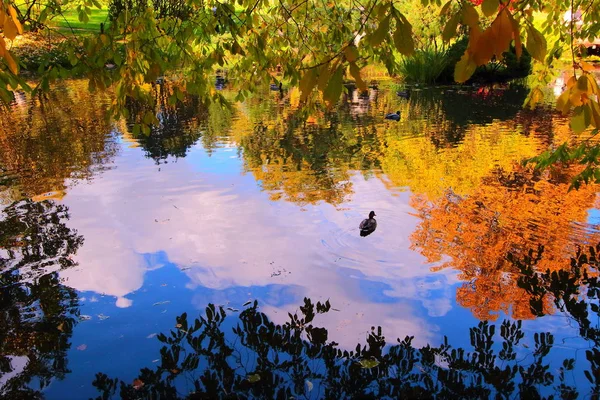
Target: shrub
<point x="495" y="71"/>
<point x="162" y="8"/>
<point x="425" y="66"/>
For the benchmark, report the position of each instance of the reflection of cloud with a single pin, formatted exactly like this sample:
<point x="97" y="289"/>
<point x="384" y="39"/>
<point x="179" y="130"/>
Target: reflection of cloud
<point x="222" y="232"/>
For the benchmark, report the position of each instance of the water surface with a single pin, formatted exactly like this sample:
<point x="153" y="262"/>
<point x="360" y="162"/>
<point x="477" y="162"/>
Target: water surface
<point x="106" y="235"/>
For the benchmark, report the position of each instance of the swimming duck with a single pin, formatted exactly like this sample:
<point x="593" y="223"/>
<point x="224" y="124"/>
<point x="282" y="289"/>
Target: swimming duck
<point x="368" y="226"/>
<point x="404" y="94"/>
<point x="275" y="86"/>
<point x="393" y="116"/>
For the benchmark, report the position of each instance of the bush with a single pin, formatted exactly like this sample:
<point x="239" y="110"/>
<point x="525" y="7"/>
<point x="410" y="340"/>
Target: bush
<point x="162" y="8"/>
<point x="425" y="66"/>
<point x="495" y="71"/>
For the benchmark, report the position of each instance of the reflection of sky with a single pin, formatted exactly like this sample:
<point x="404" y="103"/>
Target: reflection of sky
<point x="196" y="231"/>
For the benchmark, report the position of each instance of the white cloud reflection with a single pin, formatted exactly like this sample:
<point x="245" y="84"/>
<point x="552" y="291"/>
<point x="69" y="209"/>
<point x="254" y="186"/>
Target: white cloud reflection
<point x="222" y="232"/>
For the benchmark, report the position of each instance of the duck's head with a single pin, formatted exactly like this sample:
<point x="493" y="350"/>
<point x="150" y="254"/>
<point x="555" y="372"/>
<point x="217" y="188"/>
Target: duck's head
<point x="398" y="112"/>
<point x="371" y="214"/>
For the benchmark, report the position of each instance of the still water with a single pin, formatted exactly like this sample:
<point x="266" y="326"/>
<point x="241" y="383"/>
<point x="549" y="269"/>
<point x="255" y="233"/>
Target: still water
<point x="107" y="236"/>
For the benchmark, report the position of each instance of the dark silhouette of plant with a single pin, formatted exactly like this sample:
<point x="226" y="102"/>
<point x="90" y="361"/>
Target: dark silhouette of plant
<point x="260" y="359"/>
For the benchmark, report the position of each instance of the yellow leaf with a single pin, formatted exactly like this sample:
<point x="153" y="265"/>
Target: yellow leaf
<point x="379" y="34"/>
<point x="501" y="32"/>
<point x="445" y="8"/>
<point x="355" y="72"/>
<point x="586" y="67"/>
<point x="536" y="44"/>
<point x="464" y="68"/>
<point x="563" y="103"/>
<point x="307" y="83"/>
<point x="10" y="29"/>
<point x="516" y="36"/>
<point x="12" y="65"/>
<point x="481" y="48"/>
<point x="2" y="46"/>
<point x="575" y="98"/>
<point x="15" y="18"/>
<point x="571" y="82"/>
<point x="469" y="15"/>
<point x="450" y="28"/>
<point x="593" y="84"/>
<point x="582" y="84"/>
<point x="595" y="109"/>
<point x="351" y="53"/>
<point x="324" y="75"/>
<point x="489" y="7"/>
<point x="403" y="37"/>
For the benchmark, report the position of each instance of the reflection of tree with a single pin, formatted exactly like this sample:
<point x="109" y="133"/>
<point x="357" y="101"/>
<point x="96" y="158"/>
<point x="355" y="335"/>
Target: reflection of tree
<point x="306" y="160"/>
<point x="509" y="213"/>
<point x="179" y="126"/>
<point x="296" y="360"/>
<point x="37" y="313"/>
<point x="52" y="137"/>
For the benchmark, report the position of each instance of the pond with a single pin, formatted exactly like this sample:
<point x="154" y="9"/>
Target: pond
<point x="106" y="236"/>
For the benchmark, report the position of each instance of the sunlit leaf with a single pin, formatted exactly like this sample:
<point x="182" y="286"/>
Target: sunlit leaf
<point x="369" y="363"/>
<point x="536" y="44"/>
<point x="351" y="53"/>
<point x="489" y="7"/>
<point x="355" y="72"/>
<point x="581" y="119"/>
<point x="464" y="68"/>
<point x="450" y="28"/>
<point x="469" y="15"/>
<point x="377" y="37"/>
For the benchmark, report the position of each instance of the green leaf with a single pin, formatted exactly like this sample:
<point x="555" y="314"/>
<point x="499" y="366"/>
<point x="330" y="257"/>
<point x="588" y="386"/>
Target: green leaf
<point x="581" y="119"/>
<point x="307" y="83"/>
<point x="536" y="44"/>
<point x="379" y="34"/>
<point x="450" y="28"/>
<point x="355" y="72"/>
<point x="489" y="7"/>
<point x="351" y="53"/>
<point x="403" y="37"/>
<point x="332" y="93"/>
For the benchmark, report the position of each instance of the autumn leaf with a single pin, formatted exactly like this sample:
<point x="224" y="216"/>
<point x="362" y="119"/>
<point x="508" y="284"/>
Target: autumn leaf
<point x="355" y="72"/>
<point x="450" y="28"/>
<point x="307" y="83"/>
<point x="377" y="37"/>
<point x="464" y="68"/>
<point x="536" y="44"/>
<point x="137" y="384"/>
<point x="489" y="7"/>
<point x="351" y="53"/>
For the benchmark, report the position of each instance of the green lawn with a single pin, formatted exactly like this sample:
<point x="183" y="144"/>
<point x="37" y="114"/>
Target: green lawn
<point x="71" y="20"/>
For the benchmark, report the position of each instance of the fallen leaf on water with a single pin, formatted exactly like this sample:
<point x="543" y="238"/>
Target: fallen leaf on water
<point x="137" y="384"/>
<point x="84" y="317"/>
<point x="247" y="303"/>
<point x="253" y="378"/>
<point x="369" y="363"/>
<point x="60" y="326"/>
<point x="178" y="326"/>
<point x="150" y="336"/>
<point x="102" y="317"/>
<point x="155" y="361"/>
<point x="309" y="385"/>
<point x="82" y="347"/>
<point x="174" y="371"/>
<point x="161" y="302"/>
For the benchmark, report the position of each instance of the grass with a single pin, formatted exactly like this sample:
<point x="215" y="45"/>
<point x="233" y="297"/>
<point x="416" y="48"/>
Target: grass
<point x="425" y="66"/>
<point x="70" y="20"/>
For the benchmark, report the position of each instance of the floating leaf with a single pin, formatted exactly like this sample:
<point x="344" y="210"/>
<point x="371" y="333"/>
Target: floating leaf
<point x="369" y="363"/>
<point x="247" y="303"/>
<point x="82" y="347"/>
<point x="309" y="385"/>
<point x="253" y="378"/>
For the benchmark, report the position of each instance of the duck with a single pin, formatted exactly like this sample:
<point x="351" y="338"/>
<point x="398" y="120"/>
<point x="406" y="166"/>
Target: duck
<point x="276" y="87"/>
<point x="393" y="116"/>
<point x="405" y="94"/>
<point x="368" y="226"/>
